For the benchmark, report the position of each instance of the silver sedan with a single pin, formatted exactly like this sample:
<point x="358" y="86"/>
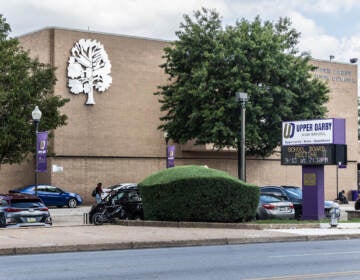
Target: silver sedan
<point x="272" y="207"/>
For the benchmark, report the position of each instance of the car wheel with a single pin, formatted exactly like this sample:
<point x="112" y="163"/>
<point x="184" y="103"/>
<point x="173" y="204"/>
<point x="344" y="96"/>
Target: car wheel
<point x="98" y="219"/>
<point x="137" y="218"/>
<point x="72" y="203"/>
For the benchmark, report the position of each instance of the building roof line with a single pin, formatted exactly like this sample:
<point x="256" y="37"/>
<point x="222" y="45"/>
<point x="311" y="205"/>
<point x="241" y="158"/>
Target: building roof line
<point x="93" y="32"/>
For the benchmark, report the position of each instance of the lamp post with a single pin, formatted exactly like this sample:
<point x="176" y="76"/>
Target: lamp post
<point x="36" y="116"/>
<point x="339" y="165"/>
<point x="242" y="97"/>
<point x="166" y="136"/>
<point x="353" y="60"/>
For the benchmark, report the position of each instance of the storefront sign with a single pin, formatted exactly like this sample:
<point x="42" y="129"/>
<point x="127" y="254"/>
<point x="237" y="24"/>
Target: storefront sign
<point x="313" y="154"/>
<point x="335" y="75"/>
<point x="307" y="132"/>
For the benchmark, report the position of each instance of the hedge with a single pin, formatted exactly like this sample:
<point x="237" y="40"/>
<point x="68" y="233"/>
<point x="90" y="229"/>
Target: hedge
<point x="196" y="193"/>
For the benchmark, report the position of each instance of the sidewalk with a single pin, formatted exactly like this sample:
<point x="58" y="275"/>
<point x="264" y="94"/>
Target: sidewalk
<point x="70" y="237"/>
<point x="111" y="237"/>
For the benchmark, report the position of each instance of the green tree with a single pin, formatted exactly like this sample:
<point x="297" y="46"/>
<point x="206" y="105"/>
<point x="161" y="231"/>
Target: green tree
<point x="208" y="64"/>
<point x="24" y="83"/>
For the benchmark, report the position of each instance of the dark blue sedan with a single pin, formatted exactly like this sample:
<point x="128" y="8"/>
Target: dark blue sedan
<point x="52" y="196"/>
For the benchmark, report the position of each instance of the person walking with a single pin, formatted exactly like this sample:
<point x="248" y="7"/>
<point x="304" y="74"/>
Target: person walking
<point x="99" y="192"/>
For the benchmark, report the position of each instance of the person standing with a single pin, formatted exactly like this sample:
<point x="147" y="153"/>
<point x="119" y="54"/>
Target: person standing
<point x="99" y="192"/>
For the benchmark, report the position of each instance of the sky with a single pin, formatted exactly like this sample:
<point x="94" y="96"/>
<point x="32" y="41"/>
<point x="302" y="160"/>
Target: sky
<point x="327" y="27"/>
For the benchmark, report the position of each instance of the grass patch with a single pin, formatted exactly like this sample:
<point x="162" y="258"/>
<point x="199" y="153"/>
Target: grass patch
<point x="356" y="220"/>
<point x="284" y="221"/>
<point x="293" y="221"/>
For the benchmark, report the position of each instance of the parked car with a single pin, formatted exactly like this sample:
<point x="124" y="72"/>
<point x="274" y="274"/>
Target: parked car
<point x="19" y="210"/>
<point x="108" y="190"/>
<point x="52" y="196"/>
<point x="294" y="194"/>
<point x="273" y="207"/>
<point x="121" y="203"/>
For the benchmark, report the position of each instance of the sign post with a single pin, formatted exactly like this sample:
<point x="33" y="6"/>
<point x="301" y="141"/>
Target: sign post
<point x="313" y="144"/>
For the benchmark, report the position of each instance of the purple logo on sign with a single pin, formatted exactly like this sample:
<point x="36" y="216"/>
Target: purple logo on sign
<point x="41" y="150"/>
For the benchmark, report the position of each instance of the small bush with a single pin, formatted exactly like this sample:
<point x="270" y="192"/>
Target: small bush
<point x="195" y="193"/>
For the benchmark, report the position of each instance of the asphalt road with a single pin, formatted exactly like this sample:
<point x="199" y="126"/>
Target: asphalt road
<point x="287" y="260"/>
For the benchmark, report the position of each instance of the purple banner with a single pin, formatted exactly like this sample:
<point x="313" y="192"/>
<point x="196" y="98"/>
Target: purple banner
<point x="171" y="156"/>
<point x="41" y="150"/>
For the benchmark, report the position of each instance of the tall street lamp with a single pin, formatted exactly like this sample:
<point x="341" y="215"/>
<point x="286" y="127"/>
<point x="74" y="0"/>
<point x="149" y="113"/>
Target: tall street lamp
<point x="166" y="136"/>
<point x="36" y="116"/>
<point x="242" y="97"/>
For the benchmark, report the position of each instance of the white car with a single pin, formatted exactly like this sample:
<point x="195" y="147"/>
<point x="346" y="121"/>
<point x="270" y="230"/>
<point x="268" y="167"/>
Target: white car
<point x="108" y="190"/>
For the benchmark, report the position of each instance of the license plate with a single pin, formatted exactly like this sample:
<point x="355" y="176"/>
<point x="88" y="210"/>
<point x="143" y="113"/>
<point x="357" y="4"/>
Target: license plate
<point x="283" y="209"/>
<point x="31" y="220"/>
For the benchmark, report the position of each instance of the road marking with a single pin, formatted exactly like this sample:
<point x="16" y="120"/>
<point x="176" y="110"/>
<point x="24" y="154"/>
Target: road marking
<point x="310" y="276"/>
<point x="316" y="254"/>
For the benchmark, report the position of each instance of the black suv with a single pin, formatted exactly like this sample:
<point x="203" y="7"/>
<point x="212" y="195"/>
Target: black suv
<point x="123" y="203"/>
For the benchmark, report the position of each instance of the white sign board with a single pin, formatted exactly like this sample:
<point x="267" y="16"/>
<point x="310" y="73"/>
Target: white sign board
<point x="310" y="132"/>
<point x="57" y="168"/>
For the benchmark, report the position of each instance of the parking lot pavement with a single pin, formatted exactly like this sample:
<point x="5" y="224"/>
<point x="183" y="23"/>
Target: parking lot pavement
<point x="69" y="211"/>
<point x="69" y="216"/>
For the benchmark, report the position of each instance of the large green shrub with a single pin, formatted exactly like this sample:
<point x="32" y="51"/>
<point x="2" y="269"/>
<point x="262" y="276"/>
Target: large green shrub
<point x="196" y="193"/>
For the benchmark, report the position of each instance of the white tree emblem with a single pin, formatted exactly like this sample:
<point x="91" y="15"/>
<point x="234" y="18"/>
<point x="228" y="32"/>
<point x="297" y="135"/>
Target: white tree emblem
<point x="89" y="67"/>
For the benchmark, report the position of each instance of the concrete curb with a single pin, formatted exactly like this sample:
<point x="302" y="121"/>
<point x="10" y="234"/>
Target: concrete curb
<point x="214" y="225"/>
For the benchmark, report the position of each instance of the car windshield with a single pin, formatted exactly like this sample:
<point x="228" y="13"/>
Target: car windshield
<point x="269" y="199"/>
<point x="28" y="203"/>
<point x="294" y="192"/>
<point x="114" y="187"/>
<point x="51" y="189"/>
<point x="120" y="186"/>
<point x="113" y="197"/>
<point x="23" y="188"/>
<point x="118" y="196"/>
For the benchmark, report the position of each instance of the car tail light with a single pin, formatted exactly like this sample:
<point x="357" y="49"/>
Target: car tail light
<point x="44" y="209"/>
<point x="269" y="206"/>
<point x="291" y="206"/>
<point x="13" y="209"/>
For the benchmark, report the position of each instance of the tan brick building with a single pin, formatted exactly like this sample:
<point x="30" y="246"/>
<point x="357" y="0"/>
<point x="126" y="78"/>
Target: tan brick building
<point x="116" y="140"/>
